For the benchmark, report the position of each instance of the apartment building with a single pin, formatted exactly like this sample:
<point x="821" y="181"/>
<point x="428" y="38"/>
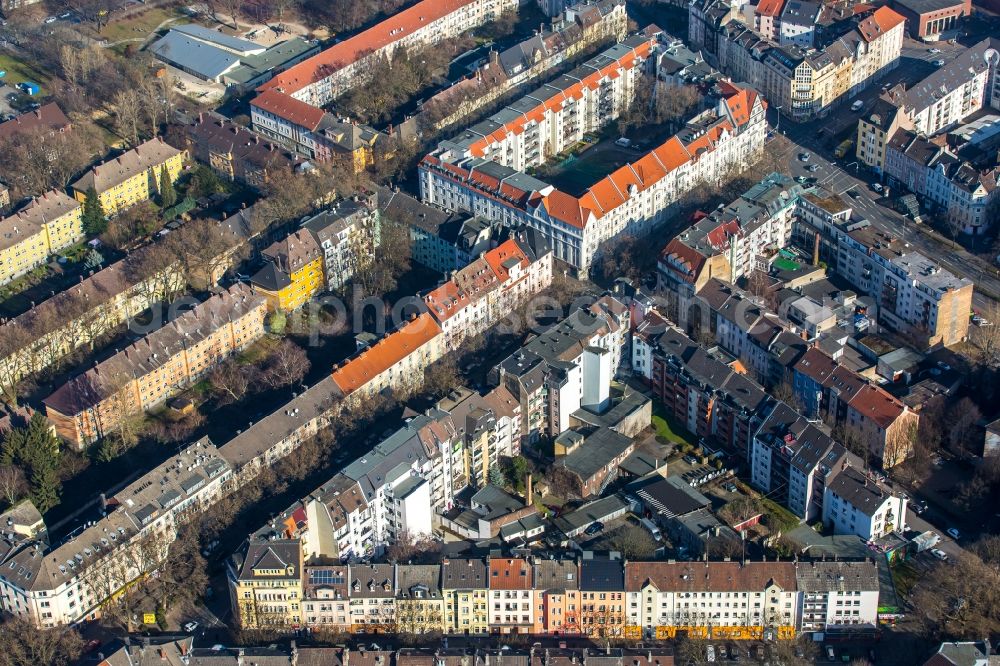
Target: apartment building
<point x="837" y="596"/>
<point x="573" y="29"/>
<point x="961" y="190"/>
<point x="395" y="361"/>
<point x="268" y="588"/>
<point x="602" y="598"/>
<point x="883" y="423"/>
<point x="465" y="588"/>
<point x="68" y="582"/>
<point x="151" y="370"/>
<point x="913" y="293"/>
<point x="490" y="425"/>
<point x="733" y="241"/>
<point x="545" y="122"/>
<point x="133" y="176"/>
<point x="853" y="503"/>
<point x="321" y="79"/>
<point x="709" y="396"/>
<point x="716" y="600"/>
<point x="557" y="596"/>
<point x="53" y="329"/>
<point x="479" y="172"/>
<point x="293" y="273"/>
<point x="792" y="460"/>
<point x="372" y="589"/>
<point x="236" y="153"/>
<point x="325" y="598"/>
<point x="608" y="598"/>
<point x="347" y="235"/>
<point x="45" y="226"/>
<point x="511" y="596"/>
<point x="566" y="368"/>
<point x="491" y="287"/>
<point x="312" y="132"/>
<point x="419" y="601"/>
<point x="806" y="79"/>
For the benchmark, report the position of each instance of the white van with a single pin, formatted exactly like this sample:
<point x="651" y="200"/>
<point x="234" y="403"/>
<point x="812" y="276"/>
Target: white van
<point x="857" y="106"/>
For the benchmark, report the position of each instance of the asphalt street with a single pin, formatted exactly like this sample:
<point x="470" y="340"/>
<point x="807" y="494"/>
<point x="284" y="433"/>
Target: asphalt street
<point x="846" y="176"/>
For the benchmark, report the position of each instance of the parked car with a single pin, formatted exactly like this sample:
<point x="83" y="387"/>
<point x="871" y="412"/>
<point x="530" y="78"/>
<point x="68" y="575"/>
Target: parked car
<point x="710" y="652"/>
<point x="51" y="19"/>
<point x="812" y="167"/>
<point x="938" y="63"/>
<point x="595" y="528"/>
<point x="690" y="459"/>
<point x="190" y="627"/>
<point x="954" y="533"/>
<point x="831" y="655"/>
<point x="940" y="554"/>
<point x="857" y="106"/>
<point x="919" y="506"/>
<point x="804" y="157"/>
<point x="877" y="187"/>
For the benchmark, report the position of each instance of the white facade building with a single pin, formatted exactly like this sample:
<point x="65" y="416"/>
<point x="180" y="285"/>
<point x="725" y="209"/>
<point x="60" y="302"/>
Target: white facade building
<point x="853" y="503"/>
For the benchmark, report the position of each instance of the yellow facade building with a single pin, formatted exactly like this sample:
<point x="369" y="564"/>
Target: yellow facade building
<point x="268" y="586"/>
<point x="465" y="590"/>
<point x="419" y="603"/>
<point x="293" y="274"/>
<point x="29" y="237"/>
<point x="132" y="177"/>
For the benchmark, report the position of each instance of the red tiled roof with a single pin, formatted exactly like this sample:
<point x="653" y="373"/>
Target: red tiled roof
<point x="393" y="29"/>
<point x="385" y="353"/>
<point x="289" y="108"/>
<point x="682" y="258"/>
<point x="510" y="573"/>
<point x="874" y="403"/>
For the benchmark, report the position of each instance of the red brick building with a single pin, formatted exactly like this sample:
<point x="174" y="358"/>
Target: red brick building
<point x="927" y="19"/>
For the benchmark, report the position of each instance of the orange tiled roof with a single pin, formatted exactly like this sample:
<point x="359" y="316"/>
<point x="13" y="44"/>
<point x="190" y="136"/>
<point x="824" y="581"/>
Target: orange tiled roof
<point x="289" y="108"/>
<point x="500" y="255"/>
<point x="393" y="29"/>
<point x="445" y="301"/>
<point x="770" y="7"/>
<point x="880" y="22"/>
<point x="385" y="353"/>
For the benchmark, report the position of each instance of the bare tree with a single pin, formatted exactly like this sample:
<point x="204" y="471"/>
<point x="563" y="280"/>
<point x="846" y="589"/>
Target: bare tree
<point x="24" y="644"/>
<point x="287" y="365"/>
<point x="13" y="485"/>
<point x="675" y="104"/>
<point x="231" y="381"/>
<point x="987" y="338"/>
<point x="126" y="107"/>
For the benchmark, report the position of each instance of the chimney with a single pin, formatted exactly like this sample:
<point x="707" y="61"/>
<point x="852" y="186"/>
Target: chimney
<point x="529" y="498"/>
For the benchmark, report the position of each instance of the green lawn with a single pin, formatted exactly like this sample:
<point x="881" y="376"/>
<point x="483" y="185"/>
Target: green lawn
<point x="138" y="26"/>
<point x="19" y="71"/>
<point x="669" y="431"/>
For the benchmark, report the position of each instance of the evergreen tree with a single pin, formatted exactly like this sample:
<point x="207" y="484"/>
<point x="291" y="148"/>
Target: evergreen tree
<point x="168" y="195"/>
<point x="36" y="451"/>
<point x="94" y="219"/>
